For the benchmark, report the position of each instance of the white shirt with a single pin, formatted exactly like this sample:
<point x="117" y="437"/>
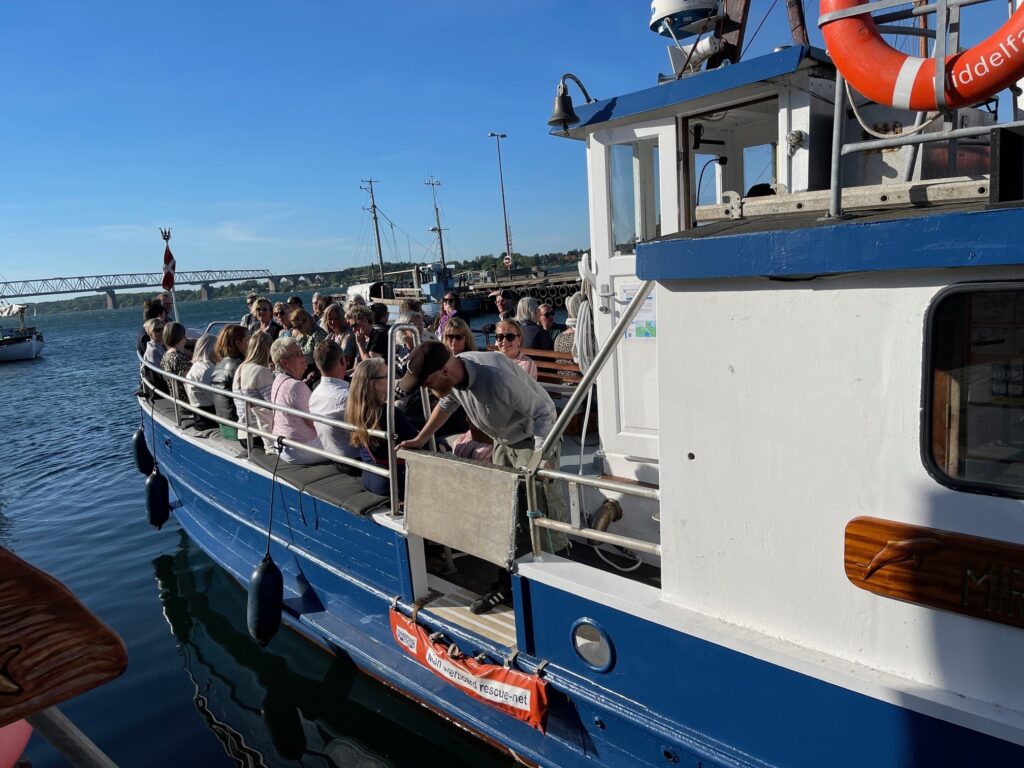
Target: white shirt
<point x="329" y="399"/>
<point x="200" y="371"/>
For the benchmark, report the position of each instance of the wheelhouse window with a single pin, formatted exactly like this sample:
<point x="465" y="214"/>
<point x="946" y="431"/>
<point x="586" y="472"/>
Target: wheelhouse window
<point x="634" y="193"/>
<point x="976" y="413"/>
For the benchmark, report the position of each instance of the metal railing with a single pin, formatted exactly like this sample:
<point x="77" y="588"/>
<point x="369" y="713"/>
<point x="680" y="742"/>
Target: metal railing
<point x="536" y="471"/>
<point x="246" y="421"/>
<point x="393" y="332"/>
<point x="945" y="35"/>
<point x="531" y="474"/>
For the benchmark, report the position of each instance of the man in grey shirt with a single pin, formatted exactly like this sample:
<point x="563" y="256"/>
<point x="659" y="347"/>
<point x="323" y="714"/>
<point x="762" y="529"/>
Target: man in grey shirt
<point x="503" y="401"/>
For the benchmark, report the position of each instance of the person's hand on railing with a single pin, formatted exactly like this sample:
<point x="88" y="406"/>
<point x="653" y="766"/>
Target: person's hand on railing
<point x="417" y="442"/>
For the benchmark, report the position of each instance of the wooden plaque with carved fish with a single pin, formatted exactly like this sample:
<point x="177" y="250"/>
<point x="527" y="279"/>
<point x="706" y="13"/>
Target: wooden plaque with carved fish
<point x="939" y="569"/>
<point x="51" y="646"/>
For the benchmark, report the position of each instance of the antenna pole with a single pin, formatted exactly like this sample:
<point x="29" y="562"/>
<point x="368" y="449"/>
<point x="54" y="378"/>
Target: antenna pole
<point x="730" y="29"/>
<point x="434" y="184"/>
<point x="376" y="225"/>
<point x="501" y="181"/>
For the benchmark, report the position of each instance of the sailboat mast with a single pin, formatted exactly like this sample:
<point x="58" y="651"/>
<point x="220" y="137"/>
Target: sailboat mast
<point x="434" y="184"/>
<point x="376" y="225"/>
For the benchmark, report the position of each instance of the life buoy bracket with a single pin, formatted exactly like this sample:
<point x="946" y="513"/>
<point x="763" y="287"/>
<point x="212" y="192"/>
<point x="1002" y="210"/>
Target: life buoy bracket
<point x="887" y="76"/>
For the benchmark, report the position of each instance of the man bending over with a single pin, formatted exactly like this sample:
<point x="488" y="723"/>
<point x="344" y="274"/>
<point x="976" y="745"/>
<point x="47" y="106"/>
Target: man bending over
<point x="504" y="402"/>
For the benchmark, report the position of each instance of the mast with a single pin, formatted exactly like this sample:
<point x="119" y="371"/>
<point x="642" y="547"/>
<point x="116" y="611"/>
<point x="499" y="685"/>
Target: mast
<point x="434" y="184"/>
<point x="376" y="225"/>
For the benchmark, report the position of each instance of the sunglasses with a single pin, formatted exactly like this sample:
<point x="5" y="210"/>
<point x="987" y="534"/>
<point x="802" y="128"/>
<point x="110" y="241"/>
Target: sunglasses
<point x="279" y="313"/>
<point x="454" y="337"/>
<point x="449" y="300"/>
<point x="500" y="337"/>
<point x="547" y="314"/>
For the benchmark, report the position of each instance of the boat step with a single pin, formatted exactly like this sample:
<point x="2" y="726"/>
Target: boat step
<point x="498" y="624"/>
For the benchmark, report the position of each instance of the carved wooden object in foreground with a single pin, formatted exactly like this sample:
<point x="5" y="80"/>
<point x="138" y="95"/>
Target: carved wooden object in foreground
<point x="939" y="569"/>
<point x="51" y="646"/>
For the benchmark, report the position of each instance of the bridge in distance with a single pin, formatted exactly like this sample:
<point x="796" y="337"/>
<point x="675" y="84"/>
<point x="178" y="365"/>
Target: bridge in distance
<point x="108" y="284"/>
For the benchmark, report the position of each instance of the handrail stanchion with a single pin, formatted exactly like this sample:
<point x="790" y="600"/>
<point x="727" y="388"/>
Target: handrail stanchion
<point x="177" y="415"/>
<point x="248" y="431"/>
<point x="603" y="355"/>
<point x="835" y="208"/>
<point x="392" y="384"/>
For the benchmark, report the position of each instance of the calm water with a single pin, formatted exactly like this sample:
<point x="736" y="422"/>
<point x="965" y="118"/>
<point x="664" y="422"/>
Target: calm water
<point x="197" y="690"/>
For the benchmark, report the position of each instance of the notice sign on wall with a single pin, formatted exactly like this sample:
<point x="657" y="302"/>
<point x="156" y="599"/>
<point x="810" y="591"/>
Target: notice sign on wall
<point x="644" y="324"/>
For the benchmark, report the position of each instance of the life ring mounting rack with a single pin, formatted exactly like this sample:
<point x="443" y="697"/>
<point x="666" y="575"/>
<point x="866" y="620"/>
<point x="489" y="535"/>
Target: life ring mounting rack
<point x="941" y="82"/>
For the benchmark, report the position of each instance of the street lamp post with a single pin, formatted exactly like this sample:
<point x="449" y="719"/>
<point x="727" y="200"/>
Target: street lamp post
<point x="504" y="211"/>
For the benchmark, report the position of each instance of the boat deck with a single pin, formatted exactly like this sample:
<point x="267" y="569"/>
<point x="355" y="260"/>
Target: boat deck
<point x="498" y="624"/>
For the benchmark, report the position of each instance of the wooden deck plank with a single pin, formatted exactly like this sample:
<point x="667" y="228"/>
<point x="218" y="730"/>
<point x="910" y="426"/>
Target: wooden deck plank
<point x="498" y="624"/>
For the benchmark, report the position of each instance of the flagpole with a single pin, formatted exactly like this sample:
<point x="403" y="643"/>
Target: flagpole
<point x="166" y="235"/>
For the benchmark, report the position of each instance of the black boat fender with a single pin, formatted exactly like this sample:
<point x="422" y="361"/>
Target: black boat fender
<point x="158" y="500"/>
<point x="143" y="458"/>
<point x="283" y="722"/>
<point x="266" y="601"/>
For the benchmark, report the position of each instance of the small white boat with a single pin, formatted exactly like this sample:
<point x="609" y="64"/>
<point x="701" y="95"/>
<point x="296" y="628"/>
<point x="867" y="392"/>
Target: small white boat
<point x="21" y="343"/>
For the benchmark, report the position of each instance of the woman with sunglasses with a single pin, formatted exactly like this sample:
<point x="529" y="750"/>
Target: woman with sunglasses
<point x="458" y="337"/>
<point x="449" y="309"/>
<point x="366" y="409"/>
<point x="354" y="344"/>
<point x="282" y="316"/>
<point x="509" y="338"/>
<point x="307" y="335"/>
<point x="265" y="323"/>
<point x="334" y="323"/>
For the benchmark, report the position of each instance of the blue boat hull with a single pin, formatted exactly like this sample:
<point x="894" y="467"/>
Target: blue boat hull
<point x="669" y="698"/>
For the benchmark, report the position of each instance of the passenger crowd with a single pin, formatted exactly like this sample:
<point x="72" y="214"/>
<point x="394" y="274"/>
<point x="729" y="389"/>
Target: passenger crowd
<point x="331" y="361"/>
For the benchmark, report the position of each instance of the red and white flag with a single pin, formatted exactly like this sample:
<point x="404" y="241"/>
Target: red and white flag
<point x="169" y="267"/>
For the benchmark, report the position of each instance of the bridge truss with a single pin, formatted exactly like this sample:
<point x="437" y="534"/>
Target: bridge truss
<point x="101" y="283"/>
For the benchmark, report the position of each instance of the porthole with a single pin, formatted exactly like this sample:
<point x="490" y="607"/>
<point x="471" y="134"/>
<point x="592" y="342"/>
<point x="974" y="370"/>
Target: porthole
<point x="593" y="645"/>
<point x="972" y="430"/>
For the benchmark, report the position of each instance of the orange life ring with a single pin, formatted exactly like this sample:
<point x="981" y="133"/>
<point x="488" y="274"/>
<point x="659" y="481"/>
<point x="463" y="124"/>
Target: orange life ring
<point x="887" y="76"/>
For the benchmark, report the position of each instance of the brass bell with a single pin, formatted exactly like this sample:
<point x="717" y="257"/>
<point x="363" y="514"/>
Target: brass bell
<point x="563" y="114"/>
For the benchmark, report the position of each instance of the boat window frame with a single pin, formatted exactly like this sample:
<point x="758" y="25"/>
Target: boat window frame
<point x="927" y="400"/>
<point x="645" y="178"/>
<point x="663" y="214"/>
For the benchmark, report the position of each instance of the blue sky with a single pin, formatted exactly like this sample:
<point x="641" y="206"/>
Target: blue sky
<point x="248" y="126"/>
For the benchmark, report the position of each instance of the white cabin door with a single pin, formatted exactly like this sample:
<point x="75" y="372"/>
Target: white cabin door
<point x="629" y="203"/>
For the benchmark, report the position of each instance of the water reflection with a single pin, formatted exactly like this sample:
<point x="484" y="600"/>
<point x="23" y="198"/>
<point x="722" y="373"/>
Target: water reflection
<point x="291" y="703"/>
<point x="6" y="526"/>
